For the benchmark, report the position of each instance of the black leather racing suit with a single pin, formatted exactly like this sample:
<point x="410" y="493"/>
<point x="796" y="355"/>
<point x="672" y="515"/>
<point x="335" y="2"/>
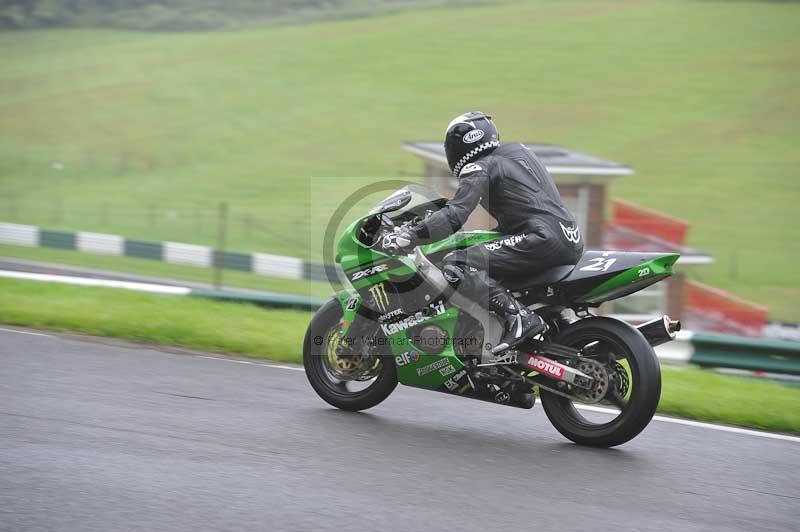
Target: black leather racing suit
<point x="516" y="189"/>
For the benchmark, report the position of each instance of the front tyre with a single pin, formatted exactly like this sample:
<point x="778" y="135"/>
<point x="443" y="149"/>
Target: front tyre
<point x="622" y="358"/>
<point x="347" y="377"/>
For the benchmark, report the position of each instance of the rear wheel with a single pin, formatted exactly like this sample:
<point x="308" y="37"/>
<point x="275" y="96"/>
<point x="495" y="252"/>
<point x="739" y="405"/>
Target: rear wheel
<point x="627" y="384"/>
<point x="350" y="376"/>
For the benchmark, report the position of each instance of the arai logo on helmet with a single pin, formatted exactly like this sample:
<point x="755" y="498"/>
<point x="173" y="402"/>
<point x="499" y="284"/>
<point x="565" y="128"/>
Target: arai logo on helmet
<point x="473" y="136"/>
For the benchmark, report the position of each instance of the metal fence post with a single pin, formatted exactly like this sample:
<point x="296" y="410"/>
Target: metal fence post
<point x="248" y="225"/>
<point x="12" y="207"/>
<point x="222" y="229"/>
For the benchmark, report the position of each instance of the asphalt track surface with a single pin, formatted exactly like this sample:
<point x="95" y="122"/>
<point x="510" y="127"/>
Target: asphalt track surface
<point x="105" y="436"/>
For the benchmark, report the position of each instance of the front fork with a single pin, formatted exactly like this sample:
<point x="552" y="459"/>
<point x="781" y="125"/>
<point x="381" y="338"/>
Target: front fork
<point x="351" y="303"/>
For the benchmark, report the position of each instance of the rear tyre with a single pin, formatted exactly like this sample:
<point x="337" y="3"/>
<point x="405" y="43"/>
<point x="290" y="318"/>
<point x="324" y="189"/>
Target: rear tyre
<point x="642" y="384"/>
<point x="353" y="382"/>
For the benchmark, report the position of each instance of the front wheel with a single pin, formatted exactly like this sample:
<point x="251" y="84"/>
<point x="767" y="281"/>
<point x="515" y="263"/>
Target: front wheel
<point x="347" y="376"/>
<point x="628" y="388"/>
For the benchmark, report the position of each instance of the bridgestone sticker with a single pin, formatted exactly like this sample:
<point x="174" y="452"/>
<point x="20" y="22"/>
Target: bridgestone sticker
<point x="439" y="364"/>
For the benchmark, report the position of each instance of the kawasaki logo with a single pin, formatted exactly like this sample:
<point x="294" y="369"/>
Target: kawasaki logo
<point x="417" y="318"/>
<point x="379" y="297"/>
<point x="543" y="365"/>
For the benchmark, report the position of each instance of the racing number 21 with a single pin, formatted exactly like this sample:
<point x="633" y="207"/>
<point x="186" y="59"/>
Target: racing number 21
<point x="599" y="264"/>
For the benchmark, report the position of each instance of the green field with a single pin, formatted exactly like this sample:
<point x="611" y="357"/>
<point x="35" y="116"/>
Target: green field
<point x="142" y="134"/>
<point x="243" y="329"/>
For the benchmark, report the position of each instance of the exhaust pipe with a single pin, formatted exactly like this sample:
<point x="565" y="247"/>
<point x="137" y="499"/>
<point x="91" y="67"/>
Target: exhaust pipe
<point x="660" y="330"/>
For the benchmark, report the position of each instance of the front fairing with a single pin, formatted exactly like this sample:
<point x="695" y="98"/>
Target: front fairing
<point x="406" y="204"/>
<point x="365" y="266"/>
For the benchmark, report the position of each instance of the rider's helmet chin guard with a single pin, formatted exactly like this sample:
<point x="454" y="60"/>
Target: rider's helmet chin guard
<point x="468" y="137"/>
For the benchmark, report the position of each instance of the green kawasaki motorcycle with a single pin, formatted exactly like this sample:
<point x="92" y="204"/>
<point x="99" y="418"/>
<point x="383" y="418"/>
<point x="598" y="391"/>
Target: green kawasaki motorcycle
<point x="598" y="378"/>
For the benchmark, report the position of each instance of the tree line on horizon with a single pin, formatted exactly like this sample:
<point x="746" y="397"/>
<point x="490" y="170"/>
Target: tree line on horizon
<point x="190" y="15"/>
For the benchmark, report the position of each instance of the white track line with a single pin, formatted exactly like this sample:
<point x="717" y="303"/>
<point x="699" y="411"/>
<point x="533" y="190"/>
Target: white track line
<point x="665" y="419"/>
<point x="25" y="332"/>
<point x="84" y="281"/>
<point x="690" y="423"/>
<point x="292" y="368"/>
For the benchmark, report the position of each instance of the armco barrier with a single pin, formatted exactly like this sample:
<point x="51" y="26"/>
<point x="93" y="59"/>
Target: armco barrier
<point x="269" y="301"/>
<point x="773" y="356"/>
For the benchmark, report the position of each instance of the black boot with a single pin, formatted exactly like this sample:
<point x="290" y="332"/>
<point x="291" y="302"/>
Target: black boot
<point x="521" y="322"/>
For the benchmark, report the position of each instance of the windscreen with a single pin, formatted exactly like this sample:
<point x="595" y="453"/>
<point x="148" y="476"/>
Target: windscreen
<point x="409" y="198"/>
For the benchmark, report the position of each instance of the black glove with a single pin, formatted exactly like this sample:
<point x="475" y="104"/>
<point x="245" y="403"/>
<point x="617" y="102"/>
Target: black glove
<point x="397" y="242"/>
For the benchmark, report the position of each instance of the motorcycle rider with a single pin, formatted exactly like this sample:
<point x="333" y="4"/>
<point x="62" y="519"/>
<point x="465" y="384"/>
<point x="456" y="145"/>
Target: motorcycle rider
<point x="516" y="189"/>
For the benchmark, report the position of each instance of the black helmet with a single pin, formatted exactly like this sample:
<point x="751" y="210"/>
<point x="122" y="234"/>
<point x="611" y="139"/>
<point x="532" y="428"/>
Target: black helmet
<point x="468" y="136"/>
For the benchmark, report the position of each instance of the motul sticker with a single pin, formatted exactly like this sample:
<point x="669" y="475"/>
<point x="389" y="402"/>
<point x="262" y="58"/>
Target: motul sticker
<point x="547" y="367"/>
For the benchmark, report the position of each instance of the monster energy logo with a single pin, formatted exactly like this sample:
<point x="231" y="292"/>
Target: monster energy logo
<point x="379" y="297"/>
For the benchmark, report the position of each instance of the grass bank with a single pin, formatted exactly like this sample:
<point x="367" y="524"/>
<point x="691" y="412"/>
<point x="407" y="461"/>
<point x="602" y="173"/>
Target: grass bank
<point x="232" y="328"/>
<point x="242" y="329"/>
<point x="140" y="134"/>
